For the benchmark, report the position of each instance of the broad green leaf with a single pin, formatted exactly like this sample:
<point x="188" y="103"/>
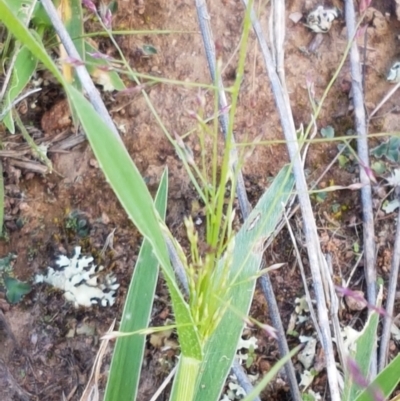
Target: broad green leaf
<point x="71" y="15"/>
<point x="131" y="190"/>
<point x="328" y="132"/>
<point x="27" y="38"/>
<point x="390" y="149"/>
<point x="1" y="199"/>
<point x="123" y="177"/>
<point x="221" y="347"/>
<point x="24" y="67"/>
<point x="40" y="17"/>
<point x="127" y="358"/>
<point x="16" y="289"/>
<point x="6" y="263"/>
<point x="110" y="80"/>
<point x="386" y="382"/>
<point x="365" y="346"/>
<point x="21" y="8"/>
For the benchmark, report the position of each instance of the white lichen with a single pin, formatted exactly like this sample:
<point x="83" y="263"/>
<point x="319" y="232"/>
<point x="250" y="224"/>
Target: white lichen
<point x="79" y="278"/>
<point x="320" y="20"/>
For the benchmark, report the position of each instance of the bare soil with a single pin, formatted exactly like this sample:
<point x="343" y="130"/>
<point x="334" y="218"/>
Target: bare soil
<point x="47" y="347"/>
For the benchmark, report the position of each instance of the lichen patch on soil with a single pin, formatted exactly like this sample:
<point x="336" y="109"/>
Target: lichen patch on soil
<point x="47" y="347"/>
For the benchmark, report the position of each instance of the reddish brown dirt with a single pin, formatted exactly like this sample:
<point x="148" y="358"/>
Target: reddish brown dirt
<point x="43" y="352"/>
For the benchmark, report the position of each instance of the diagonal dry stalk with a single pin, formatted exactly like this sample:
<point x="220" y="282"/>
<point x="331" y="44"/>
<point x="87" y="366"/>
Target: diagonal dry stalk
<point x="391" y="295"/>
<point x="206" y="32"/>
<point x="363" y="154"/>
<point x="310" y="229"/>
<point x="84" y="77"/>
<point x="91" y="392"/>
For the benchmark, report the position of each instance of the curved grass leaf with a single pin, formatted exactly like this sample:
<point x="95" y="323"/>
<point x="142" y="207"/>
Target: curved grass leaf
<point x="131" y="190"/>
<point x="24" y="67"/>
<point x="386" y="382"/>
<point x="126" y="362"/>
<point x="365" y="346"/>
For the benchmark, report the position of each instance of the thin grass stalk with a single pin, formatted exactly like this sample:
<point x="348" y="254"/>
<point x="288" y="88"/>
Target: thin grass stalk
<point x="206" y="32"/>
<point x="363" y="154"/>
<point x="209" y="47"/>
<point x="391" y="295"/>
<point x="81" y="70"/>
<point x="19" y="99"/>
<point x="185" y="382"/>
<point x="310" y="228"/>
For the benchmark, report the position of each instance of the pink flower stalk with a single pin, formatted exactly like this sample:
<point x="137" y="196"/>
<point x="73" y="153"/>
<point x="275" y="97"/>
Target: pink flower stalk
<point x="132" y="89"/>
<point x="72" y="61"/>
<point x="358" y="378"/>
<point x="105" y="68"/>
<point x="99" y="55"/>
<point x="347" y="292"/>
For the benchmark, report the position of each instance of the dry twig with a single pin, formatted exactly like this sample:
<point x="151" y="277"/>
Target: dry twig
<point x="84" y="77"/>
<point x="363" y="154"/>
<point x="91" y="392"/>
<point x="391" y="295"/>
<point x="311" y="235"/>
<point x="206" y="32"/>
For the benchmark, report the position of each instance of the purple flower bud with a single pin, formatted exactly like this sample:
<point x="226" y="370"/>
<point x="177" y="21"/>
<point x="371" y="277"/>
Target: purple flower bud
<point x="89" y="5"/>
<point x="270" y="331"/>
<point x="363" y="5"/>
<point x="358" y="378"/>
<point x="107" y="19"/>
<point x="370" y="174"/>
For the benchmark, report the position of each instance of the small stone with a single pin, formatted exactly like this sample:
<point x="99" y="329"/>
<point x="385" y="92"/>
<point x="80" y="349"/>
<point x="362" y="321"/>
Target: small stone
<point x="105" y="219"/>
<point x="93" y="163"/>
<point x="356" y="302"/>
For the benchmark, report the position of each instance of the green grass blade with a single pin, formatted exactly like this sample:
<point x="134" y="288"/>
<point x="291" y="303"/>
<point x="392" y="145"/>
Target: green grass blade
<point x="221" y="347"/>
<point x="110" y="80"/>
<point x="20" y="7"/>
<point x="123" y="177"/>
<point x="24" y="67"/>
<point x="386" y="381"/>
<point x="133" y="194"/>
<point x="71" y="15"/>
<point x="126" y="363"/>
<point x="1" y="198"/>
<point x="22" y="33"/>
<point x="271" y="374"/>
<point x="365" y="346"/>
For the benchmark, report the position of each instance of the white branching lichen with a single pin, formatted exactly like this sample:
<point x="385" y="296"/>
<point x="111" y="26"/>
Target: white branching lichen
<point x="320" y="20"/>
<point x="79" y="278"/>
